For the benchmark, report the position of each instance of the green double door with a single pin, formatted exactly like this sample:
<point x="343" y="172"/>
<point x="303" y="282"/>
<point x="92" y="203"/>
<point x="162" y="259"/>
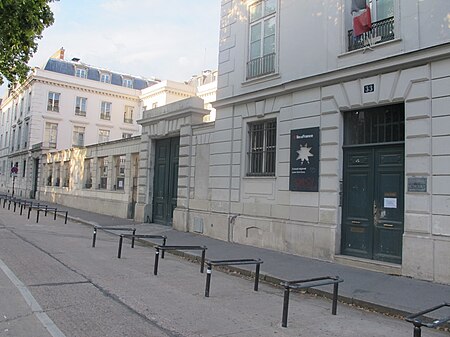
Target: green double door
<point x="373" y="202"/>
<point x="165" y="184"/>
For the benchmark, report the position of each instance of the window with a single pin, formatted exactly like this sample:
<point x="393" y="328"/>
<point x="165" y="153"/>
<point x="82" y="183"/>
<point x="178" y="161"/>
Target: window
<point x="66" y="174"/>
<point x="105" y="78"/>
<point x="53" y="101"/>
<point x="382" y="17"/>
<point x="103" y="136"/>
<point x="29" y="102"/>
<point x="106" y="111"/>
<point x="19" y="138"/>
<point x="128" y="114"/>
<point x="103" y="165"/>
<point x="126" y="82"/>
<point x="22" y="103"/>
<point x="78" y="136"/>
<point x="262" y="148"/>
<point x="262" y="32"/>
<point x="25" y="135"/>
<point x="382" y="9"/>
<point x="51" y="133"/>
<point x="13" y="139"/>
<point x="81" y="72"/>
<point x="88" y="173"/>
<point x="80" y="106"/>
<point x="126" y="135"/>
<point x="120" y="172"/>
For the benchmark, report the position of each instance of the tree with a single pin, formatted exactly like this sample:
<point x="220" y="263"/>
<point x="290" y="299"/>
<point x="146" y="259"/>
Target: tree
<point x="21" y="25"/>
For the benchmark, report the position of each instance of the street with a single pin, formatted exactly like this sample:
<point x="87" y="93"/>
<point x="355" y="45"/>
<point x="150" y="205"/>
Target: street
<point x="77" y="290"/>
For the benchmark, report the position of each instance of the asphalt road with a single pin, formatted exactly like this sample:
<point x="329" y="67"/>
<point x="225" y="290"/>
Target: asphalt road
<point x="52" y="283"/>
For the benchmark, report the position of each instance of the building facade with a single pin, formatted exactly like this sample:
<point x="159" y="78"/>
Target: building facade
<point x="65" y="104"/>
<point x="326" y="144"/>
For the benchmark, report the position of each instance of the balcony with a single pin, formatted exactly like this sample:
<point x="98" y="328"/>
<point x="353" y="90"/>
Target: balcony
<point x="261" y="66"/>
<point x="80" y="112"/>
<point x="105" y="116"/>
<point x="128" y="120"/>
<point x="382" y="31"/>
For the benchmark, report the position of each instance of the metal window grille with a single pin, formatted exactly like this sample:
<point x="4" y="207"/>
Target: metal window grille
<point x="262" y="150"/>
<point x="376" y="125"/>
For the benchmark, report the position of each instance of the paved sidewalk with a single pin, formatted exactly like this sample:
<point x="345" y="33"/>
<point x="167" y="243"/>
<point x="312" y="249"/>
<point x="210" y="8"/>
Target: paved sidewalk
<point x="385" y="293"/>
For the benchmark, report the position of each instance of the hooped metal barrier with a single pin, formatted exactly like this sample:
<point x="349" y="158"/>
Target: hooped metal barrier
<point x="309" y="283"/>
<point x="45" y="210"/>
<point x="139" y="236"/>
<point x="36" y="206"/>
<point x="96" y="228"/>
<point x="164" y="248"/>
<point x="419" y="323"/>
<point x="231" y="262"/>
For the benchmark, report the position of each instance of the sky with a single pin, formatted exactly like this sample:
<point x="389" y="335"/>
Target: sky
<point x="166" y="39"/>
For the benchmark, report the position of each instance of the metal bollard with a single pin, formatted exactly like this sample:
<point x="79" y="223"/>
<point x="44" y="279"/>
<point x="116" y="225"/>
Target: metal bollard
<point x="164" y="243"/>
<point x="257" y="277"/>
<point x="155" y="267"/>
<point x="37" y="215"/>
<point x="202" y="267"/>
<point x="285" y="307"/>
<point x="119" y="253"/>
<point x="335" y="298"/>
<point x="65" y="221"/>
<point x="94" y="237"/>
<point x="208" y="280"/>
<point x="132" y="238"/>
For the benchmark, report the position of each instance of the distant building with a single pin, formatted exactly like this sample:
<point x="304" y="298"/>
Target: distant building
<point x="73" y="133"/>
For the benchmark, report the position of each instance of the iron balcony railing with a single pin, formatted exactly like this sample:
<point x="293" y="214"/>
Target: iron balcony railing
<point x="105" y="116"/>
<point x="261" y="66"/>
<point x="128" y="120"/>
<point x="381" y="31"/>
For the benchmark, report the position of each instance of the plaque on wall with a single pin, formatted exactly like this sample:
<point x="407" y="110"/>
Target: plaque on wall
<point x="304" y="168"/>
<point x="417" y="184"/>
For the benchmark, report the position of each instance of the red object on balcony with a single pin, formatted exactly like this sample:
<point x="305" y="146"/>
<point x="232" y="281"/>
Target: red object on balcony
<point x="14" y="170"/>
<point x="362" y="22"/>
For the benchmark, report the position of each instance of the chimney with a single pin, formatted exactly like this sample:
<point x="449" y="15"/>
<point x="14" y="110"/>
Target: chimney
<point x="59" y="54"/>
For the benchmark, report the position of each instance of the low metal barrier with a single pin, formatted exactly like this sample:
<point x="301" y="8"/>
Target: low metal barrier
<point x="164" y="248"/>
<point x="306" y="284"/>
<point x="45" y="210"/>
<point x="420" y="322"/>
<point x="96" y="228"/>
<point x="36" y="206"/>
<point x="139" y="236"/>
<point x="24" y="205"/>
<point x="231" y="262"/>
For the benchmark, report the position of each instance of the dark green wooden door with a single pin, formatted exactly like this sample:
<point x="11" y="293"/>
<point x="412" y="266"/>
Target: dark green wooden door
<point x="373" y="203"/>
<point x="165" y="184"/>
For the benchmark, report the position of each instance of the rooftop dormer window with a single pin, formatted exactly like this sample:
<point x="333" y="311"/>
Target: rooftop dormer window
<point x="126" y="82"/>
<point x="105" y="78"/>
<point x="81" y="72"/>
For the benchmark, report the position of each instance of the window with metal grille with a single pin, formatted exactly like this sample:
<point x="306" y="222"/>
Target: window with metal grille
<point x="375" y="125"/>
<point x="262" y="148"/>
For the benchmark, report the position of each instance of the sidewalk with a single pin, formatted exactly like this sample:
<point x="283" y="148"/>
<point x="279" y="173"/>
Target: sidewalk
<point x="390" y="294"/>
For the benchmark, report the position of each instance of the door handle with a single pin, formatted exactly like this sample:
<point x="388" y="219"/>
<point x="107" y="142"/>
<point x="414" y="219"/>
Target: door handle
<point x="388" y="225"/>
<point x="356" y="222"/>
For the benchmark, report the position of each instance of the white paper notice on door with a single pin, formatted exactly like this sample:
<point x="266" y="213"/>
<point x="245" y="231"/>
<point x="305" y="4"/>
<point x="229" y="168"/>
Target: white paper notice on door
<point x="390" y="202"/>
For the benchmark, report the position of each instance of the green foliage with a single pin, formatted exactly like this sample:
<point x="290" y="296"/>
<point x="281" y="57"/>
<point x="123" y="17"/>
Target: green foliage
<point x="21" y="25"/>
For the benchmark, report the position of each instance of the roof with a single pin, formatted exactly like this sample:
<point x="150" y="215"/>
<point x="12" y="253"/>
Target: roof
<point x="93" y="73"/>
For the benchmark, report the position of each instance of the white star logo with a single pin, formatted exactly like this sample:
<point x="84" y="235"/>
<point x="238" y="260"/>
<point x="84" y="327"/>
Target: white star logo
<point x="304" y="153"/>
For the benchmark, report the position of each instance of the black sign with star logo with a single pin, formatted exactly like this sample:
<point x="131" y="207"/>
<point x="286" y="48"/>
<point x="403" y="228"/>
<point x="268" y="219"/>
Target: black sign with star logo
<point x="304" y="168"/>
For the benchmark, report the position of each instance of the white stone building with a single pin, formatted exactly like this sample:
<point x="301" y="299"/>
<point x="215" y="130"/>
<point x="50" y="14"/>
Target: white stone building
<point x="65" y="104"/>
<point x="325" y="144"/>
